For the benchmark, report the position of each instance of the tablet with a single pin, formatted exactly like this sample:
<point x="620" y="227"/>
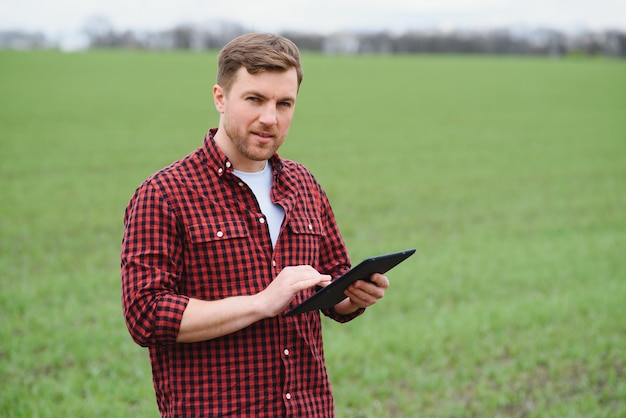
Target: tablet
<point x="332" y="294"/>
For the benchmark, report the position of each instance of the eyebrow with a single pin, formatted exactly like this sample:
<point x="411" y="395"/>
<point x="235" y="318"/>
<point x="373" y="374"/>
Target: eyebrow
<point x="264" y="97"/>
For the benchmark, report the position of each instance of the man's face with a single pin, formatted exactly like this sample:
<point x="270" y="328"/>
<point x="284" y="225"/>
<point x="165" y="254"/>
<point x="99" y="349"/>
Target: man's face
<point x="255" y="116"/>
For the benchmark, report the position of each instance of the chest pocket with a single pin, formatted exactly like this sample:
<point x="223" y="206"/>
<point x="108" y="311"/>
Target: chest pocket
<point x="304" y="235"/>
<point x="306" y="226"/>
<point x="216" y="231"/>
<point x="217" y="254"/>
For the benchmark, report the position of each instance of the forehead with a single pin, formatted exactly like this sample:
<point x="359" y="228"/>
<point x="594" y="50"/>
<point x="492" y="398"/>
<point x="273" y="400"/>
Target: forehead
<point x="268" y="83"/>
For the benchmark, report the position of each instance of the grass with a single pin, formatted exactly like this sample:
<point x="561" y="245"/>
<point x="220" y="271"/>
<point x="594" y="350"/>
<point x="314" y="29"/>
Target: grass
<point x="507" y="174"/>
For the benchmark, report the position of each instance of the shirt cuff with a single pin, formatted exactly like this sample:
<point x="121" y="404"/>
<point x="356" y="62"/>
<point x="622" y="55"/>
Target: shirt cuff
<point x="332" y="314"/>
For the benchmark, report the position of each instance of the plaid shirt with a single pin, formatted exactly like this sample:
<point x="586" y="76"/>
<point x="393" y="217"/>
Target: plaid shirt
<point x="194" y="230"/>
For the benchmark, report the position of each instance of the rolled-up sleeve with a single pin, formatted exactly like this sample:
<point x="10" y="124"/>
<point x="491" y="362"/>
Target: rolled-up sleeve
<point x="151" y="268"/>
<point x="333" y="251"/>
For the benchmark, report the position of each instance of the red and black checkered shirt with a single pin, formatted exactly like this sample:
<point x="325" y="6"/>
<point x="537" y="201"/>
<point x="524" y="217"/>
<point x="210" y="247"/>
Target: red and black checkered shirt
<point x="195" y="230"/>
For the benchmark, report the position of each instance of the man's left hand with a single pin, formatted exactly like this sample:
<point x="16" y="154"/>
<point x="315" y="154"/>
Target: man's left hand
<point x="363" y="293"/>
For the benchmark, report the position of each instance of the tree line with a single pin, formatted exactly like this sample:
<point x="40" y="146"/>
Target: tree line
<point x="99" y="33"/>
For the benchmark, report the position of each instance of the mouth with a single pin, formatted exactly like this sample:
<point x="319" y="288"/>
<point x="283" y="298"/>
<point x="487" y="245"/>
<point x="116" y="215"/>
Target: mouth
<point x="263" y="136"/>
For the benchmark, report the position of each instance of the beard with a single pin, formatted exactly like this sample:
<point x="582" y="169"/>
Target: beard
<point x="248" y="147"/>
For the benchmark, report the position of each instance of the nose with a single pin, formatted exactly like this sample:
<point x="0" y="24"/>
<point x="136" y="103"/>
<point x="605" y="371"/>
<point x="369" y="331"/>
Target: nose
<point x="268" y="114"/>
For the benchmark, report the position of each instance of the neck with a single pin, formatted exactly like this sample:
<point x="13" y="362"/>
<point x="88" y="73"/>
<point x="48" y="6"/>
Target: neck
<point x="265" y="163"/>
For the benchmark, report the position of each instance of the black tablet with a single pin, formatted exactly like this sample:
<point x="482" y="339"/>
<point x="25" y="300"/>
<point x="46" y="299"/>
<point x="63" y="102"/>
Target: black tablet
<point x="333" y="293"/>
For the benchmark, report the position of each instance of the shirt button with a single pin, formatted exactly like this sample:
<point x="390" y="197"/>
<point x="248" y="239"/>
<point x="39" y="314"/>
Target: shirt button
<point x="220" y="171"/>
<point x="220" y="234"/>
<point x="262" y="220"/>
<point x="310" y="227"/>
<point x="286" y="351"/>
<point x="288" y="396"/>
<point x="240" y="183"/>
<point x="228" y="164"/>
<point x="273" y="263"/>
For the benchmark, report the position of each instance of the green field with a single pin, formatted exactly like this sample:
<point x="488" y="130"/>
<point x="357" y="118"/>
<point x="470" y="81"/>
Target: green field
<point x="508" y="174"/>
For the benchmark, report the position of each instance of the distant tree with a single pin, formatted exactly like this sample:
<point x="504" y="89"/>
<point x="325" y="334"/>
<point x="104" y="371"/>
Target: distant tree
<point x="100" y="32"/>
<point x="615" y="43"/>
<point x="381" y="43"/>
<point x="181" y="36"/>
<point x="306" y="41"/>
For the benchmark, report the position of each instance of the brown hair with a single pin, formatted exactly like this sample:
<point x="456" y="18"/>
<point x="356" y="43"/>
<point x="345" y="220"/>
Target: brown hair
<point x="257" y="52"/>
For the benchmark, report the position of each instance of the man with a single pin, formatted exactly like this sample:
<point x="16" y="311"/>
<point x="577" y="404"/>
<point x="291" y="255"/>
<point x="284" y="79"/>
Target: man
<point x="218" y="245"/>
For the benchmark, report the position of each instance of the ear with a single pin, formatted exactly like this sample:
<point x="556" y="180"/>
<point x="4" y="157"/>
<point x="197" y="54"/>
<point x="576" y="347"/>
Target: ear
<point x="218" y="98"/>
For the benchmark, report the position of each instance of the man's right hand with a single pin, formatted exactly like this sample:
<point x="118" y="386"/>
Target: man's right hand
<point x="290" y="281"/>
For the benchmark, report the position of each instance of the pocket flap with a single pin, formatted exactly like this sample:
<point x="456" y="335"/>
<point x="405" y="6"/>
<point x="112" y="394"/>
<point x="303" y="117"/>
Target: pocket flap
<point x="311" y="226"/>
<point x="217" y="231"/>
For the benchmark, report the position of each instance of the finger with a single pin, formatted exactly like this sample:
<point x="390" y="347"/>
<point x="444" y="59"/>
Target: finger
<point x="380" y="280"/>
<point x="361" y="299"/>
<point x="368" y="287"/>
<point x="301" y="272"/>
<point x="307" y="281"/>
<point x="309" y="271"/>
<point x="364" y="294"/>
<point x="311" y="279"/>
<point x="325" y="281"/>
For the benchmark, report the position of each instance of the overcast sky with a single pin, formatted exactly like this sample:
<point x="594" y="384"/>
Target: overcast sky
<point x="320" y="16"/>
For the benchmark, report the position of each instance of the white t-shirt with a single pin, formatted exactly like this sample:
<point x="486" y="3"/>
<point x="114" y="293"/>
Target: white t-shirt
<point x="261" y="183"/>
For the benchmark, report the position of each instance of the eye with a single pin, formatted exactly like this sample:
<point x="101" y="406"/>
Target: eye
<point x="285" y="104"/>
<point x="253" y="99"/>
